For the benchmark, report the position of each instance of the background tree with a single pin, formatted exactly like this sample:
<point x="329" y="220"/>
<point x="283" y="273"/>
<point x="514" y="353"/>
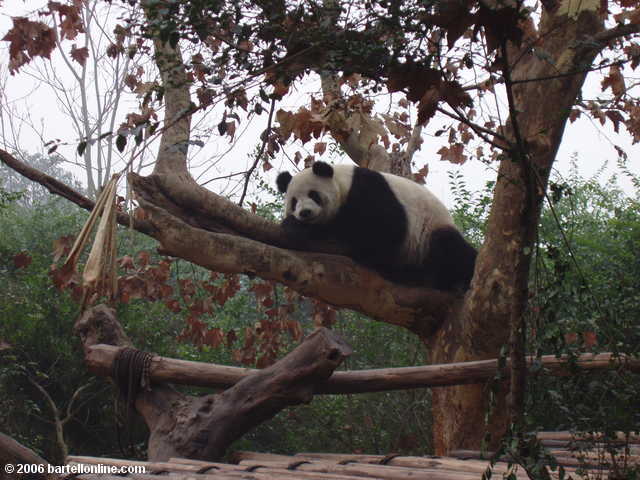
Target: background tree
<point x="34" y="194"/>
<point x="515" y="54"/>
<point x="91" y="86"/>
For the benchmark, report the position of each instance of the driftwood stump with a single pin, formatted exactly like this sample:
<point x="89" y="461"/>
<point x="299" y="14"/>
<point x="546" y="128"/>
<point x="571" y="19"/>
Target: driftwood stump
<point x="203" y="427"/>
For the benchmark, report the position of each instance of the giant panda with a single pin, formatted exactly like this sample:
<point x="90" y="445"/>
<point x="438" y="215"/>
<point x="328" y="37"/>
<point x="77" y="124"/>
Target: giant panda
<point x="387" y="223"/>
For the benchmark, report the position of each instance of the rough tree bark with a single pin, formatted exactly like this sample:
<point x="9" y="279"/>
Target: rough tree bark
<point x="203" y="427"/>
<point x="498" y="294"/>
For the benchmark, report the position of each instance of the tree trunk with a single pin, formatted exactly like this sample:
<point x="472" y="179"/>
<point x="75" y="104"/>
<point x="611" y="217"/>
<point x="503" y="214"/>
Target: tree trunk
<point x="498" y="295"/>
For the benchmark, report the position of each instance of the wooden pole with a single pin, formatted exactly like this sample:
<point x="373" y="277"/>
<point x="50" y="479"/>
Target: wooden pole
<point x="100" y="358"/>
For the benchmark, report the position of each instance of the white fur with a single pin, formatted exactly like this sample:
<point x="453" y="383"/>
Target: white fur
<point x="424" y="212"/>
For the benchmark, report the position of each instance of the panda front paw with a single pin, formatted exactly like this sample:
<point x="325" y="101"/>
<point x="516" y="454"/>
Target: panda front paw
<point x="291" y="225"/>
<point x="298" y="232"/>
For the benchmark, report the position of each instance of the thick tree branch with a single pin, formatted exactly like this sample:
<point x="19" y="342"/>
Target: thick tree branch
<point x="194" y="210"/>
<point x="333" y="279"/>
<point x="200" y="207"/>
<point x="54" y="186"/>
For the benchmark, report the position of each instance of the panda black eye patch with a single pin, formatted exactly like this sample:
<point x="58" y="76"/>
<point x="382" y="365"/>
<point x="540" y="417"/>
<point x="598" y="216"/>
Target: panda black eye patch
<point x="315" y="196"/>
<point x="294" y="202"/>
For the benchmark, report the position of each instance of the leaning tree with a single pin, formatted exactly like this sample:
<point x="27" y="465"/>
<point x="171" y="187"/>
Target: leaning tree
<point x="506" y="76"/>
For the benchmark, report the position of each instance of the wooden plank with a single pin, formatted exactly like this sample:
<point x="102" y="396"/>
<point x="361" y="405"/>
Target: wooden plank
<point x="571" y="436"/>
<point x="365" y="470"/>
<point x="565" y="458"/>
<point x="441" y="464"/>
<point x="189" y="469"/>
<point x="444" y="463"/>
<point x="308" y="466"/>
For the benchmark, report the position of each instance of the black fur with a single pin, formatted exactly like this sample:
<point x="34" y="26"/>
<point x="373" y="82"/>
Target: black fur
<point x="322" y="169"/>
<point x="371" y="221"/>
<point x="283" y="181"/>
<point x="450" y="260"/>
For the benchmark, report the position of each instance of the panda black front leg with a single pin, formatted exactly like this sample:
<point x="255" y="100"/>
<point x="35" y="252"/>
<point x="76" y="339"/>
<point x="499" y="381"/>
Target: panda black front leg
<point x="300" y="233"/>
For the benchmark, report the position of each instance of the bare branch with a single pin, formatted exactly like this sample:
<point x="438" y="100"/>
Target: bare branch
<point x="265" y="140"/>
<point x="57" y="421"/>
<point x="70" y="411"/>
<point x="58" y="188"/>
<point x="485" y="134"/>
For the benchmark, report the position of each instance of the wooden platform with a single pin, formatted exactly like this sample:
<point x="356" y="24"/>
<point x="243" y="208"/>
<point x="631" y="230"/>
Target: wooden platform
<point x="464" y="465"/>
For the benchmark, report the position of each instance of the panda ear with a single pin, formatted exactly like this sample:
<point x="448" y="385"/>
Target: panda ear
<point x="283" y="181"/>
<point x="322" y="169"/>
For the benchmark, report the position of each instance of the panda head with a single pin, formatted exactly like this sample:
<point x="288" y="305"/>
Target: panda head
<point x="312" y="196"/>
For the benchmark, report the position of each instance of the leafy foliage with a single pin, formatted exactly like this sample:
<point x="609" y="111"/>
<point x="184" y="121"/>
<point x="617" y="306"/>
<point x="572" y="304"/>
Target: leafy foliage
<point x="585" y="299"/>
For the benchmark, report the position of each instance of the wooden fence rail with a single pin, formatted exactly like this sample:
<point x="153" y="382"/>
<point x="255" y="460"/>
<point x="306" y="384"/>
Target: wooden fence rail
<point x="100" y="358"/>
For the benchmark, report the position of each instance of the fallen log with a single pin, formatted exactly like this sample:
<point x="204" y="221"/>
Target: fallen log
<point x="100" y="358"/>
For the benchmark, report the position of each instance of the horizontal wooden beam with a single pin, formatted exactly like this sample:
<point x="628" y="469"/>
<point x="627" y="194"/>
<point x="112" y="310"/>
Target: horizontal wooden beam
<point x="100" y="358"/>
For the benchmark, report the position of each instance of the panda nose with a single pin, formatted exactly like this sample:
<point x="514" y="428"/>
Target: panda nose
<point x="306" y="213"/>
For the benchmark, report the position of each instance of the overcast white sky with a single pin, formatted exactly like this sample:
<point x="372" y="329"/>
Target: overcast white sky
<point x="592" y="143"/>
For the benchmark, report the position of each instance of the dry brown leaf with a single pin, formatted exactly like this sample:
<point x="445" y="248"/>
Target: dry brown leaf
<point x="615" y="80"/>
<point x="80" y="55"/>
